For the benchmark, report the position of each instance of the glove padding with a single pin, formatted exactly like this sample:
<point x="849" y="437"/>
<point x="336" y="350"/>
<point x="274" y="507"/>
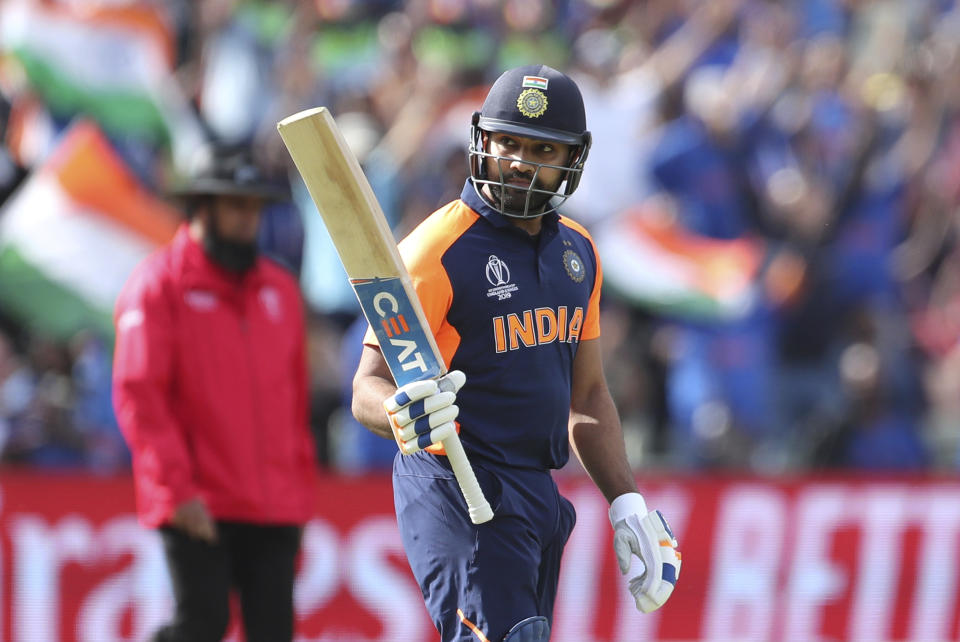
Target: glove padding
<point x="422" y="413"/>
<point x="648" y="536"/>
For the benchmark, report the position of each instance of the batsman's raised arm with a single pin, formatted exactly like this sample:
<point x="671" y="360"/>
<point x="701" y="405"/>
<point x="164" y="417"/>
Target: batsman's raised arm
<point x="417" y="415"/>
<point x="371" y="385"/>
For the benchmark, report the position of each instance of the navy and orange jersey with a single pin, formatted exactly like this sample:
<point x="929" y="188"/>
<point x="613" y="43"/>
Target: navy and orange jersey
<point x="509" y="310"/>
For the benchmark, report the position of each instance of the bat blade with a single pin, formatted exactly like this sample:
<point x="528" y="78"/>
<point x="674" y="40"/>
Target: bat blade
<point x="369" y="254"/>
<point x="364" y="242"/>
<point x="343" y="196"/>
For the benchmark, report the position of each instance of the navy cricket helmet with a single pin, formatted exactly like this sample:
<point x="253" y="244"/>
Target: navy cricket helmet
<point x="538" y="102"/>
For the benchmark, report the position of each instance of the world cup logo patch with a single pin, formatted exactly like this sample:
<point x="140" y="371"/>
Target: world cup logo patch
<point x="532" y="103"/>
<point x="498" y="275"/>
<point x="497" y="271"/>
<point x="574" y="266"/>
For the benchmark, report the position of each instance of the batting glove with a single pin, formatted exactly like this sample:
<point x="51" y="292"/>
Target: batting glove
<point x="648" y="537"/>
<point x="422" y="413"/>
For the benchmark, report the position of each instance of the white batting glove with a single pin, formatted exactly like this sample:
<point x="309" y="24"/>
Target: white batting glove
<point x="422" y="412"/>
<point x="648" y="537"/>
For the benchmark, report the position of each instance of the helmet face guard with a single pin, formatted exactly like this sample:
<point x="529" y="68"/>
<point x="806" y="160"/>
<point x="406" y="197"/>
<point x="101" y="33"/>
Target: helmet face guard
<point x="539" y="103"/>
<point x="538" y="200"/>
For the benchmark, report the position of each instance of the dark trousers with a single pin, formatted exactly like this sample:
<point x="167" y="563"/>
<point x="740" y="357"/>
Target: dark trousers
<point x="258" y="561"/>
<point x="489" y="576"/>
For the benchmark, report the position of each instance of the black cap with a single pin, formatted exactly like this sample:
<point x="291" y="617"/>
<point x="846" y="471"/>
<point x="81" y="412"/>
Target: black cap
<point x="535" y="101"/>
<point x="230" y="172"/>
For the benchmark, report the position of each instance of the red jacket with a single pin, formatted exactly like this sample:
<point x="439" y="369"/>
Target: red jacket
<point x="210" y="388"/>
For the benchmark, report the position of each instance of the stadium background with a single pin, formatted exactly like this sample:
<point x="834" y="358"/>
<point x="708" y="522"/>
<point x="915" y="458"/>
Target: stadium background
<point x="773" y="188"/>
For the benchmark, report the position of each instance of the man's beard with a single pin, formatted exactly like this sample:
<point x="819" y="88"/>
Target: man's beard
<point x="515" y="199"/>
<point x="233" y="256"/>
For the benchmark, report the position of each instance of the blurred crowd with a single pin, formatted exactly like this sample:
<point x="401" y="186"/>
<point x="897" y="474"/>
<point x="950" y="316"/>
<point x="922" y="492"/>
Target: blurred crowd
<point x="823" y="133"/>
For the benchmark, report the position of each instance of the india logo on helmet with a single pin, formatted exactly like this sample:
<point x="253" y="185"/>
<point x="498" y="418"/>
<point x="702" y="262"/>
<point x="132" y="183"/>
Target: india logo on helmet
<point x="532" y="103"/>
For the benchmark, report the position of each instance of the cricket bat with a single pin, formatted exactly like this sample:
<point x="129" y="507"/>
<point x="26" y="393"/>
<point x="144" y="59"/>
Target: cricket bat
<point x="369" y="254"/>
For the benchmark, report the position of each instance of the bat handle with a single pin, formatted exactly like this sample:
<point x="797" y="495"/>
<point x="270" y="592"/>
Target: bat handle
<point x="477" y="504"/>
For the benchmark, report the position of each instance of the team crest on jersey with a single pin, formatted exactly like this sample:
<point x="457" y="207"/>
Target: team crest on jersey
<point x="574" y="266"/>
<point x="532" y="103"/>
<point x="498" y="275"/>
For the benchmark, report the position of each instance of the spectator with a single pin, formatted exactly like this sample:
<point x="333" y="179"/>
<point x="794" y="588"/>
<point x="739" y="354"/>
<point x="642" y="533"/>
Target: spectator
<point x="715" y="161"/>
<point x="93" y="413"/>
<point x="876" y="432"/>
<point x="16" y="391"/>
<point x="44" y="434"/>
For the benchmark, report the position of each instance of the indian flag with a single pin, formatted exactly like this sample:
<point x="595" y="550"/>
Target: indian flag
<point x="660" y="266"/>
<point x="537" y="82"/>
<point x="110" y="63"/>
<point x="72" y="233"/>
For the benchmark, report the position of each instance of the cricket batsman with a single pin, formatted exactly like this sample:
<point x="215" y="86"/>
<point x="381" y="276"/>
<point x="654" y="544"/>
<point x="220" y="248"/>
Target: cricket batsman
<point x="511" y="291"/>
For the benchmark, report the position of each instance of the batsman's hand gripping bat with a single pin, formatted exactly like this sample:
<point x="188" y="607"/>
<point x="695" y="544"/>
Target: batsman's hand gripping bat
<point x="370" y="257"/>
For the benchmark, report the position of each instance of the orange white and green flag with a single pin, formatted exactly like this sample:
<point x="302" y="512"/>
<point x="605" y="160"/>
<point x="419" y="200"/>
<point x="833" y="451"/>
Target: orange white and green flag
<point x="659" y="265"/>
<point x="107" y="62"/>
<point x="72" y="233"/>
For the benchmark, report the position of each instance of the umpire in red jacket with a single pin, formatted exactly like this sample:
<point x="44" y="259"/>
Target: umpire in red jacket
<point x="210" y="388"/>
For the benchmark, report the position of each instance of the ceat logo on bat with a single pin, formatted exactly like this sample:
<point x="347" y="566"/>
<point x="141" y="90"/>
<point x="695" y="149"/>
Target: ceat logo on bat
<point x="403" y="341"/>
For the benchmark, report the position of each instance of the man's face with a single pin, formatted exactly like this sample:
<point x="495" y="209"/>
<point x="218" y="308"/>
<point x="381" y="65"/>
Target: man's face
<point x="237" y="218"/>
<point x="229" y="227"/>
<point x="518" y="166"/>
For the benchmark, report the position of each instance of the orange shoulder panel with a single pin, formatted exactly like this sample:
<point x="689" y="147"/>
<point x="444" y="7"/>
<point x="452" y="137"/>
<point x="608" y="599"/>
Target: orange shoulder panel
<point x="421" y="251"/>
<point x="591" y="321"/>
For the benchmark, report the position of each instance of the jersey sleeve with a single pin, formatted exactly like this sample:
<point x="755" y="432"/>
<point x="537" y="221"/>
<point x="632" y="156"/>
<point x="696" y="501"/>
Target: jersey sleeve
<point x="430" y="282"/>
<point x="142" y="381"/>
<point x="591" y="321"/>
<point x="433" y="289"/>
<point x="422" y="253"/>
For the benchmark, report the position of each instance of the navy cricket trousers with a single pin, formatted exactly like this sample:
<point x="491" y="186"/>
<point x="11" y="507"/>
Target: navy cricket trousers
<point x="481" y="579"/>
